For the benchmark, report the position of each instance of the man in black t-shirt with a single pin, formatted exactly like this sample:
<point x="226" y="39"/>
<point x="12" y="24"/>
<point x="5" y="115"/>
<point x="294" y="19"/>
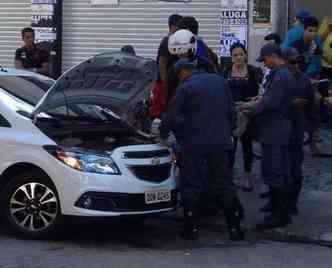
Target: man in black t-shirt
<point x="164" y="58"/>
<point x="30" y="56"/>
<point x="165" y="61"/>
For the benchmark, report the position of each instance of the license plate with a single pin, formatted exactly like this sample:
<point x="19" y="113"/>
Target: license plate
<point x="157" y="196"/>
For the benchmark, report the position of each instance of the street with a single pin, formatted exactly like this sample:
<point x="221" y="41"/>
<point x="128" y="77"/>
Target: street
<point x="157" y="244"/>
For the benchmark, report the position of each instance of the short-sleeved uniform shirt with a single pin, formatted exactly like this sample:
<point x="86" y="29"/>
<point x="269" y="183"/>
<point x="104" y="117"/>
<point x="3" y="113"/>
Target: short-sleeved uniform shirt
<point x="32" y="58"/>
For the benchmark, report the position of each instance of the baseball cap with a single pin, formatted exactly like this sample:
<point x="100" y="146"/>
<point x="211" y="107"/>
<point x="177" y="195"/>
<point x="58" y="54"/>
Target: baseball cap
<point x="302" y="13"/>
<point x="269" y="49"/>
<point x="183" y="63"/>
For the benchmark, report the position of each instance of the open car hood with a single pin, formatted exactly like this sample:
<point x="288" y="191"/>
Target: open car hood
<point x="114" y="82"/>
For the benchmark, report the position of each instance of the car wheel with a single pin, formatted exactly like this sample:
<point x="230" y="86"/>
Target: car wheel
<point x="32" y="208"/>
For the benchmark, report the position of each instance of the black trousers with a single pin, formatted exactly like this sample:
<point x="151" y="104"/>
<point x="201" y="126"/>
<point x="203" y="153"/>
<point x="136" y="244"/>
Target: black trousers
<point x="296" y="172"/>
<point x="275" y="166"/>
<point x="212" y="171"/>
<point x="246" y="141"/>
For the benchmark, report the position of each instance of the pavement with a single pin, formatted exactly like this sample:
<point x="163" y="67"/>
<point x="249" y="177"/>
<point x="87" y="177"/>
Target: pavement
<point x="306" y="243"/>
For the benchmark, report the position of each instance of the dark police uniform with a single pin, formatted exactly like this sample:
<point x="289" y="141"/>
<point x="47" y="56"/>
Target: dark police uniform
<point x="300" y="114"/>
<point x="274" y="125"/>
<point x="274" y="134"/>
<point x="201" y="116"/>
<point x="32" y="58"/>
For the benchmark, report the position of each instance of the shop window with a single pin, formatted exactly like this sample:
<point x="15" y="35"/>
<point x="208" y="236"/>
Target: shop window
<point x="262" y="12"/>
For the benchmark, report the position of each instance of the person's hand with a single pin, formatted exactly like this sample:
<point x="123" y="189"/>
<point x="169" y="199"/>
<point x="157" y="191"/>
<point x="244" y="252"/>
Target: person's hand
<point x="154" y="130"/>
<point x="328" y="101"/>
<point x="250" y="105"/>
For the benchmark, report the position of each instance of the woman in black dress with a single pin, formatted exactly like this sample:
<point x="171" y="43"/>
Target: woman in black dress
<point x="244" y="82"/>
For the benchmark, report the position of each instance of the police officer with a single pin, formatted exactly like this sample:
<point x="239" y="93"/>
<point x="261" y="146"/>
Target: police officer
<point x="272" y="111"/>
<point x="30" y="56"/>
<point x="201" y="116"/>
<point x="304" y="108"/>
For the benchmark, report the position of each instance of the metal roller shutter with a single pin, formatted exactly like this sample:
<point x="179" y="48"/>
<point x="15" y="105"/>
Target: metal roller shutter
<point x="14" y="16"/>
<point x="88" y="29"/>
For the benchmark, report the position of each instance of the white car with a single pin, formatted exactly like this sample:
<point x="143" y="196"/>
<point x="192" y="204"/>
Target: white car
<point x="75" y="150"/>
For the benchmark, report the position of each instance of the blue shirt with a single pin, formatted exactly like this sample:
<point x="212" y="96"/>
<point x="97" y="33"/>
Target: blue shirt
<point x="201" y="115"/>
<point x="294" y="34"/>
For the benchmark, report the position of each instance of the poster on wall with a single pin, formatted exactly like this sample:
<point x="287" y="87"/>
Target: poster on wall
<point x="233" y="24"/>
<point x="46" y="22"/>
<point x="262" y="12"/>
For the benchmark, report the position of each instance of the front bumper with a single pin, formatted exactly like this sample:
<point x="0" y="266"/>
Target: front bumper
<point x="113" y="195"/>
<point x="122" y="202"/>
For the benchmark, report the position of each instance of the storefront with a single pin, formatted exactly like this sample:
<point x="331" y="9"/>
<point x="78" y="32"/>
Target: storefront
<point x="95" y="26"/>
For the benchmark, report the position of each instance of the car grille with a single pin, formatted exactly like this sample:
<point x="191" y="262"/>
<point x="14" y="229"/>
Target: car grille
<point x="157" y="173"/>
<point x="120" y="202"/>
<point x="146" y="154"/>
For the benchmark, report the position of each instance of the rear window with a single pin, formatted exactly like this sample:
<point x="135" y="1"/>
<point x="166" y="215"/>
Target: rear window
<point x="27" y="88"/>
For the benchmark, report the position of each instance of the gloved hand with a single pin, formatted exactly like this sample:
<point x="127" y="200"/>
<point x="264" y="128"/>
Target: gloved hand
<point x="247" y="108"/>
<point x="154" y="130"/>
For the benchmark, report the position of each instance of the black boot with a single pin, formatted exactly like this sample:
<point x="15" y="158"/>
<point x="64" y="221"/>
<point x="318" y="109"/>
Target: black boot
<point x="190" y="229"/>
<point x="269" y="206"/>
<point x="233" y="219"/>
<point x="280" y="215"/>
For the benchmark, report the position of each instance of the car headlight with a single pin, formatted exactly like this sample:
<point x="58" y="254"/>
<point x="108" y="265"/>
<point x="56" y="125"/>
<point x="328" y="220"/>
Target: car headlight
<point x="86" y="161"/>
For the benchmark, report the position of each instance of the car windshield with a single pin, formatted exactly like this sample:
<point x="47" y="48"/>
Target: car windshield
<point x="27" y="88"/>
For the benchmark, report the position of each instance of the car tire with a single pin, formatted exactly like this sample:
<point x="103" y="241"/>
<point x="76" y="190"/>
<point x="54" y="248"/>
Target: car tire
<point x="31" y="206"/>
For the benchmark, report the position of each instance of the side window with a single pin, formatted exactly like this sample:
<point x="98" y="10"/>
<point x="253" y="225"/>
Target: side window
<point x="4" y="122"/>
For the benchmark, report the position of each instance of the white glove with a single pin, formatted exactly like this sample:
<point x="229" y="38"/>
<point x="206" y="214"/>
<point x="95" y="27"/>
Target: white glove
<point x="154" y="130"/>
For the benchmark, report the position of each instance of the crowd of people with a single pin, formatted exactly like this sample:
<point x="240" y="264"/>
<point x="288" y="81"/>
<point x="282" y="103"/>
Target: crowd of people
<point x="209" y="111"/>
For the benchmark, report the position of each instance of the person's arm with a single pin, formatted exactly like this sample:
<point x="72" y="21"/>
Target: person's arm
<point x="173" y="118"/>
<point x="314" y="66"/>
<point x="273" y="97"/>
<point x="163" y="59"/>
<point x="45" y="57"/>
<point x="162" y="63"/>
<point x="230" y="102"/>
<point x="312" y="111"/>
<point x="18" y="64"/>
<point x="18" y="60"/>
<point x="292" y="36"/>
<point x="44" y="69"/>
